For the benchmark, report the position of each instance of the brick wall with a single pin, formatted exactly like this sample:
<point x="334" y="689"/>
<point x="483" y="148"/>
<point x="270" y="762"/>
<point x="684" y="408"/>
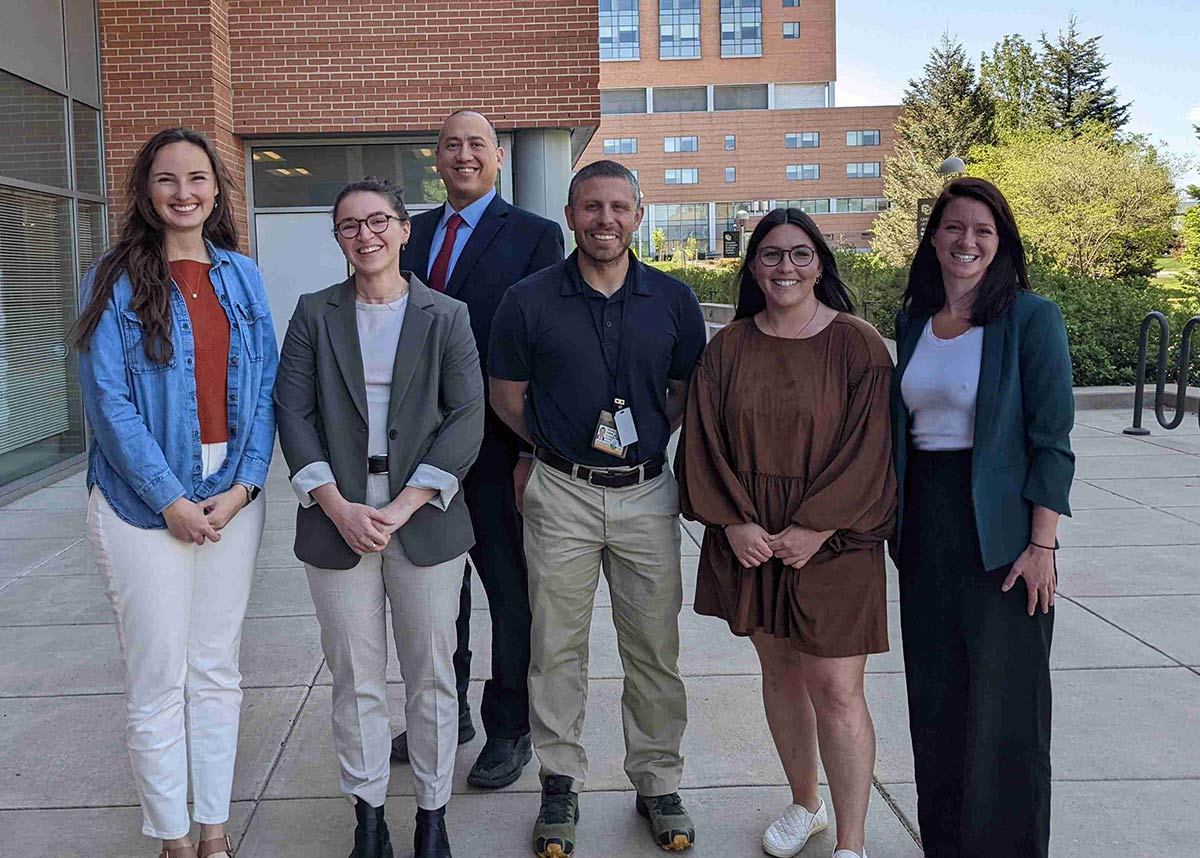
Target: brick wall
<point x="322" y="66"/>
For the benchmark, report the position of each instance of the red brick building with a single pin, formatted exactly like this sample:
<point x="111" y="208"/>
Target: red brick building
<point x="722" y="105"/>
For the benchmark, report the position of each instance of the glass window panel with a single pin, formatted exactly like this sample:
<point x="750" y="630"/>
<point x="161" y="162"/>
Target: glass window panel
<point x="680" y="99"/>
<point x="740" y="97"/>
<point x="616" y="101"/>
<point x="41" y="418"/>
<point x="93" y="234"/>
<point x="86" y="122"/>
<point x="741" y="28"/>
<point x="791" y="29"/>
<point x="619" y="38"/>
<point x="33" y="133"/>
<point x="679" y="222"/>
<point x="679" y="29"/>
<point x="731" y="141"/>
<point x="731" y="174"/>
<point x="313" y="175"/>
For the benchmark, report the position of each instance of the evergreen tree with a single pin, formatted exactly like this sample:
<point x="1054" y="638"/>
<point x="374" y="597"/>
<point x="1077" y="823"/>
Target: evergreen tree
<point x="1075" y="88"/>
<point x="946" y="112"/>
<point x="1013" y="77"/>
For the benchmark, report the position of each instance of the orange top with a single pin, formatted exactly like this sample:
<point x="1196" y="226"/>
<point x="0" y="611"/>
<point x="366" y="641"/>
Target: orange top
<point x="210" y="333"/>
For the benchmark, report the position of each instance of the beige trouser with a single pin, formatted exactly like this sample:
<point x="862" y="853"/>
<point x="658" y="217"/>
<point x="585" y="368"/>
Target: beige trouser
<point x="350" y="609"/>
<point x="572" y="529"/>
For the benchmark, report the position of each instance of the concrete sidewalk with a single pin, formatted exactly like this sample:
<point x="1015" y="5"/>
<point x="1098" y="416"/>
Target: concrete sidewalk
<point x="1126" y="725"/>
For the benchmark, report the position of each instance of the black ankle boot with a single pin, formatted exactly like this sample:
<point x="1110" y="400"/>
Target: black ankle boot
<point x="371" y="837"/>
<point x="430" y="839"/>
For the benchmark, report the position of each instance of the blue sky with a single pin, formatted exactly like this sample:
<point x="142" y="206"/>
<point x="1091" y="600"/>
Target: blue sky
<point x="1153" y="49"/>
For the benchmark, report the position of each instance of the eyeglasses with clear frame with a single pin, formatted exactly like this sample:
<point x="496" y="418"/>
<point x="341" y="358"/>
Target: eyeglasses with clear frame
<point x="801" y="255"/>
<point x="377" y="222"/>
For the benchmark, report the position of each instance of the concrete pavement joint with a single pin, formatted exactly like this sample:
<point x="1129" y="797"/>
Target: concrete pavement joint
<point x="1146" y="643"/>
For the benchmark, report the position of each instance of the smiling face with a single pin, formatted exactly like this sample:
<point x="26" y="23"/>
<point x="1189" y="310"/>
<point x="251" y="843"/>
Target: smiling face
<point x="369" y="252"/>
<point x="183" y="186"/>
<point x="787" y="284"/>
<point x="468" y="158"/>
<point x="966" y="241"/>
<point x="604" y="217"/>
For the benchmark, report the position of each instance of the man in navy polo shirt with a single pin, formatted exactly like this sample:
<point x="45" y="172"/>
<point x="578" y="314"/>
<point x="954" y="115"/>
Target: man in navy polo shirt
<point x="589" y="362"/>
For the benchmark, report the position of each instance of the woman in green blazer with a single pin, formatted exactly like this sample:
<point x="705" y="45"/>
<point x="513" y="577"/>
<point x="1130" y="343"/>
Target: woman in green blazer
<point x="982" y="411"/>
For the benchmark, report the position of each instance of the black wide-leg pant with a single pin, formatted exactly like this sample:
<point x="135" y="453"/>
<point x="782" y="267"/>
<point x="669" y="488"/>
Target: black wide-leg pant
<point x="978" y="673"/>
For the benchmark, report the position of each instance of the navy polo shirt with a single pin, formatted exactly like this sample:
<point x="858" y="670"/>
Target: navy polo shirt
<point x="579" y="350"/>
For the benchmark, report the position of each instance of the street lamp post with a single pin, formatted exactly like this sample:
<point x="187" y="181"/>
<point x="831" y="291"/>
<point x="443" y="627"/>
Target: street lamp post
<point x="948" y="169"/>
<point x="741" y="217"/>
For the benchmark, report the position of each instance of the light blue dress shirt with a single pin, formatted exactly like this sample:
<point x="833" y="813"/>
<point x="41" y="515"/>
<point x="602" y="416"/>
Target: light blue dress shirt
<point x="470" y="215"/>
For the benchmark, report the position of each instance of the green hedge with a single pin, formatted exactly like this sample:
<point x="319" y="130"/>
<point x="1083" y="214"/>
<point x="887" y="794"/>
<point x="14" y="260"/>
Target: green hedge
<point x="1103" y="317"/>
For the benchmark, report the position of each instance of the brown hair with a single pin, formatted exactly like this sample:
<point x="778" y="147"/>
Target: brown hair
<point x="140" y="252"/>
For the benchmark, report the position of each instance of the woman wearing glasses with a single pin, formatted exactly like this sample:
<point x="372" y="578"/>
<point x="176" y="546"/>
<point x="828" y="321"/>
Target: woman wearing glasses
<point x="786" y="457"/>
<point x="380" y="406"/>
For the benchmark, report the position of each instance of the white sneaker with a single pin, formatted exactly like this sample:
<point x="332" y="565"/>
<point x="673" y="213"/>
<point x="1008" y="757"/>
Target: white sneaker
<point x="846" y="853"/>
<point x="786" y="836"/>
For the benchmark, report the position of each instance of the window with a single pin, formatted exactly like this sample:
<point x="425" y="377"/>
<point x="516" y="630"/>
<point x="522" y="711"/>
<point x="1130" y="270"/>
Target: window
<point x="803" y="172"/>
<point x="730" y="142"/>
<point x="680" y="144"/>
<point x="617" y="101"/>
<point x="620" y="146"/>
<point x="740" y="97"/>
<point x="741" y="28"/>
<point x="862" y="138"/>
<point x="286" y="176"/>
<point x="678" y="28"/>
<point x="802" y="140"/>
<point x="864" y="170"/>
<point x="730" y="175"/>
<point x="791" y="4"/>
<point x="33" y="128"/>
<point x="812" y="206"/>
<point x="679" y="222"/>
<point x="683" y="176"/>
<point x="850" y="205"/>
<point x="791" y="29"/>
<point x="680" y="99"/>
<point x="619" y="30"/>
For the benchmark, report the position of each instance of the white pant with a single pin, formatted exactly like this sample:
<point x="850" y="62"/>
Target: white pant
<point x="179" y="610"/>
<point x="350" y="608"/>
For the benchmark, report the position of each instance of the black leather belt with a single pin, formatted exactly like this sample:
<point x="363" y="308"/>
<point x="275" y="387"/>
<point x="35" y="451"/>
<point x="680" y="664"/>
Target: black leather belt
<point x="607" y="478"/>
<point x="377" y="465"/>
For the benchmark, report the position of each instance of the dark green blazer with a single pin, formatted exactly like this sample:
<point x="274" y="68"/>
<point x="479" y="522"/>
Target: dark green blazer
<point x="1024" y="412"/>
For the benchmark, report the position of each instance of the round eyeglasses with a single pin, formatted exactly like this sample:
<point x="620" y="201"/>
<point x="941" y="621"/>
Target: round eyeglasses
<point x="378" y="222"/>
<point x="801" y="255"/>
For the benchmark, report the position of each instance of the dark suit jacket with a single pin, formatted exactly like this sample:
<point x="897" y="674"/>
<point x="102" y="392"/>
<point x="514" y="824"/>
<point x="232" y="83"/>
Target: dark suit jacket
<point x="507" y="245"/>
<point x="1024" y="412"/>
<point x="435" y="415"/>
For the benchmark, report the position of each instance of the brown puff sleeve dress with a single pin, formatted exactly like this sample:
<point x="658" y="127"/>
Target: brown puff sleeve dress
<point x="782" y="431"/>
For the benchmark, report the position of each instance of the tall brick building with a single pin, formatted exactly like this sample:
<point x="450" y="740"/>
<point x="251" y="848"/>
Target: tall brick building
<point x="721" y="105"/>
<point x="300" y="96"/>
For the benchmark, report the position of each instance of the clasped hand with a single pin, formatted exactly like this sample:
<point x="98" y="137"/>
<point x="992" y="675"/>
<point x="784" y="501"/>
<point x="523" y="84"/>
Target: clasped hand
<point x="794" y="545"/>
<point x="368" y="530"/>
<point x="199" y="522"/>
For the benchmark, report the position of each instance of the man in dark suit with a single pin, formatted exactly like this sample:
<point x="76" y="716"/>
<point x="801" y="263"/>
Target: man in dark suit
<point x="474" y="247"/>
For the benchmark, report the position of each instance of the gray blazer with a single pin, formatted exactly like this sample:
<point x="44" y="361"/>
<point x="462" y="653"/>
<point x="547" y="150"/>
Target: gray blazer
<point x="435" y="416"/>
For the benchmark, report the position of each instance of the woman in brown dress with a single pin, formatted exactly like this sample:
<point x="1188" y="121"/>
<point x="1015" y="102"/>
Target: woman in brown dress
<point x="786" y="457"/>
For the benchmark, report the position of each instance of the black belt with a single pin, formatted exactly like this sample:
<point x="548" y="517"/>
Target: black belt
<point x="607" y="478"/>
<point x="377" y="465"/>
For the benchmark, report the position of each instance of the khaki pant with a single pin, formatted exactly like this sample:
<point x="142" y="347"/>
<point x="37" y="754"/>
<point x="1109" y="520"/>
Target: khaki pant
<point x="572" y="530"/>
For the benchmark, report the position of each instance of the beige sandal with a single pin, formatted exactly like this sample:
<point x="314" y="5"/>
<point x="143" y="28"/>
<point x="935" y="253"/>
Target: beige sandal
<point x="215" y="847"/>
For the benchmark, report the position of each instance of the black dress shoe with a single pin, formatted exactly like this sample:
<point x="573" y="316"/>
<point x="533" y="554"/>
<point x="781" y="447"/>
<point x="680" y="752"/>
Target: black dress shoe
<point x="466" y="732"/>
<point x="371" y="837"/>
<point x="430" y="839"/>
<point x="500" y="762"/>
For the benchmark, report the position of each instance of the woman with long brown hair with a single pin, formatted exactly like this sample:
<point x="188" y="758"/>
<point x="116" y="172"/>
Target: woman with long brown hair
<point x="177" y="362"/>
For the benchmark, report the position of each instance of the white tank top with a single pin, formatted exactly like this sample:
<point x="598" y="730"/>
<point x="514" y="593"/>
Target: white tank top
<point x="939" y="389"/>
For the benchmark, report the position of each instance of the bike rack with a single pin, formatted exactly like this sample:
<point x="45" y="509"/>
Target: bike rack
<point x="1185" y="353"/>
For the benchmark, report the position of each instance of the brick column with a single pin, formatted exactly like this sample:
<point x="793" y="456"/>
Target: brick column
<point x="165" y="63"/>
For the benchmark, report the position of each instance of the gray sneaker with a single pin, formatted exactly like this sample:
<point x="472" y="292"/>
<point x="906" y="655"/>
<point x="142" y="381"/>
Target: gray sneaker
<point x="670" y="824"/>
<point x="554" y="831"/>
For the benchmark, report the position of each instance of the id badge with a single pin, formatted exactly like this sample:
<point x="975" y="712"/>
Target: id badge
<point x="607" y="439"/>
<point x="626" y="431"/>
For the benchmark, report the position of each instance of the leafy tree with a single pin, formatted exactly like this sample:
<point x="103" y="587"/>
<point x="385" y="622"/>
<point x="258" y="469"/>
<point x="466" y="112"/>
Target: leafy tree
<point x="658" y="240"/>
<point x="946" y="112"/>
<point x="1095" y="206"/>
<point x="1190" y="255"/>
<point x="1012" y="75"/>
<point x="1075" y="88"/>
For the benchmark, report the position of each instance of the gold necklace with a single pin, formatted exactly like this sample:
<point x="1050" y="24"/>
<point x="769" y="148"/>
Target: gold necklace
<point x="194" y="289"/>
<point x="367" y="299"/>
<point x="775" y="331"/>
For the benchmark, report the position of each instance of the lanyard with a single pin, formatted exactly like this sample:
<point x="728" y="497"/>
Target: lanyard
<point x="614" y="367"/>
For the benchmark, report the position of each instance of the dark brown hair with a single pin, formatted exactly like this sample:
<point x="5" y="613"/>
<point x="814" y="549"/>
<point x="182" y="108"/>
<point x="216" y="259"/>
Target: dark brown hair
<point x="830" y="290"/>
<point x="140" y="251"/>
<point x="1004" y="278"/>
<point x="370" y="184"/>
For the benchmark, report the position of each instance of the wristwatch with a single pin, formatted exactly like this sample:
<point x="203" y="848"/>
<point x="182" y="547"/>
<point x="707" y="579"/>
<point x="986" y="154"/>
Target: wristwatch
<point x="251" y="492"/>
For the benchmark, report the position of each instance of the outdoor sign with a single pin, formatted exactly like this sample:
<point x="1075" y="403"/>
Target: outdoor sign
<point x="730" y="246"/>
<point x="924" y="209"/>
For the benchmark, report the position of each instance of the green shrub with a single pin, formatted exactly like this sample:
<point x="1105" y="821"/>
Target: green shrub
<point x="713" y="284"/>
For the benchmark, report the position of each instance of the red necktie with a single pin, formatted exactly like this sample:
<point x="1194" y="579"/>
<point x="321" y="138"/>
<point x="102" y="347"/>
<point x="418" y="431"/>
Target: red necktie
<point x="441" y="265"/>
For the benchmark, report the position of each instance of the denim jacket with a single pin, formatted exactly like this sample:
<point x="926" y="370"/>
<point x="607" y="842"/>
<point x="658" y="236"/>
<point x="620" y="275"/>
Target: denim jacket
<point x="145" y="451"/>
